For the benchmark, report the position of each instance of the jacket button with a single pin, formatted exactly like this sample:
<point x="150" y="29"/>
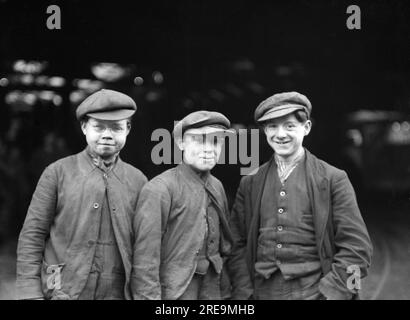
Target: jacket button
<point x="280" y="228"/>
<point x="279" y="245"/>
<point x="96" y="205"/>
<point x="280" y="210"/>
<point x="282" y="193"/>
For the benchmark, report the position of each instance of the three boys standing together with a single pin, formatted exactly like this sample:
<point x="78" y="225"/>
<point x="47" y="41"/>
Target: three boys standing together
<point x="96" y="229"/>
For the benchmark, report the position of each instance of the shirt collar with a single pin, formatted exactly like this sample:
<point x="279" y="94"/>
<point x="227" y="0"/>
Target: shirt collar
<point x="100" y="163"/>
<point x="291" y="162"/>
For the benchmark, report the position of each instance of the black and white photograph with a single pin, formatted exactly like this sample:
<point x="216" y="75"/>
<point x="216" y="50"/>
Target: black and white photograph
<point x="221" y="151"/>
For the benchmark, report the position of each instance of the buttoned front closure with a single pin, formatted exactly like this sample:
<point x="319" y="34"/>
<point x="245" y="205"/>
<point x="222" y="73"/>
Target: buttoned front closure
<point x="71" y="194"/>
<point x="285" y="239"/>
<point x="181" y="200"/>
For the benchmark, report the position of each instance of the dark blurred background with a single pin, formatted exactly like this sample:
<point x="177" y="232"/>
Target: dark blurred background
<point x="177" y="57"/>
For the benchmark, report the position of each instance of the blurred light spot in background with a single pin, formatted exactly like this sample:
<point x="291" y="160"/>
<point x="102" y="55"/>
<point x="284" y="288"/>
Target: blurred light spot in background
<point x="109" y="72"/>
<point x="396" y="127"/>
<point x="153" y="96"/>
<point x="33" y="67"/>
<point x="27" y="79"/>
<point x="77" y="96"/>
<point x="41" y="80"/>
<point x="56" y="81"/>
<point x="138" y="81"/>
<point x="4" y="82"/>
<point x="57" y="100"/>
<point x="88" y="85"/>
<point x="158" y="77"/>
<point x="355" y="136"/>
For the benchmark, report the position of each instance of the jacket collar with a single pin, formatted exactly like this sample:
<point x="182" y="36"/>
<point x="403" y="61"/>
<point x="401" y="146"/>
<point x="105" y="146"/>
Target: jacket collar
<point x="87" y="166"/>
<point x="192" y="175"/>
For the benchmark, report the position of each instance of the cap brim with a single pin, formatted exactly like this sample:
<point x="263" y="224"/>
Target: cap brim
<point x="279" y="113"/>
<point x="208" y="130"/>
<point x="120" y="114"/>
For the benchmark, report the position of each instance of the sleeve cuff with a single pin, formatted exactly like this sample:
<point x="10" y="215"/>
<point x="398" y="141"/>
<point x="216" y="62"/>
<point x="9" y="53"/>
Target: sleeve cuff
<point x="29" y="290"/>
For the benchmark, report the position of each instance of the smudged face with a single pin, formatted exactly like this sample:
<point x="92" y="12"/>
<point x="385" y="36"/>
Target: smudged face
<point x="285" y="135"/>
<point x="201" y="151"/>
<point x="105" y="137"/>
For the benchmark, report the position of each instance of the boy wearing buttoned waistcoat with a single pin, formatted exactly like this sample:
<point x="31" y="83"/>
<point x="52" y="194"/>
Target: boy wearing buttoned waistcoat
<point x="298" y="230"/>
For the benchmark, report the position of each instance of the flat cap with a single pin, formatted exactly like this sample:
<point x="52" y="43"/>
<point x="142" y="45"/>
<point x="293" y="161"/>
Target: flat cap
<point x="202" y="122"/>
<point x="107" y="104"/>
<point x="281" y="104"/>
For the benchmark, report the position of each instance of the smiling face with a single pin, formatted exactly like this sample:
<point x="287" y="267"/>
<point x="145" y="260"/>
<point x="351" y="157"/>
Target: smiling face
<point x="285" y="135"/>
<point x="201" y="151"/>
<point x="105" y="137"/>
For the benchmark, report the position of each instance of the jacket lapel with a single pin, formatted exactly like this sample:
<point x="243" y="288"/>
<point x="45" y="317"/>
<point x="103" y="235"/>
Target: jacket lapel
<point x="257" y="185"/>
<point x="319" y="194"/>
<point x="221" y="210"/>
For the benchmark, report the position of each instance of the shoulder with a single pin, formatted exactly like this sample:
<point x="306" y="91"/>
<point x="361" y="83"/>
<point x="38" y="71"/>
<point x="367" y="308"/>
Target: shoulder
<point x="62" y="164"/>
<point x="164" y="182"/>
<point x="134" y="173"/>
<point x="329" y="171"/>
<point x="255" y="175"/>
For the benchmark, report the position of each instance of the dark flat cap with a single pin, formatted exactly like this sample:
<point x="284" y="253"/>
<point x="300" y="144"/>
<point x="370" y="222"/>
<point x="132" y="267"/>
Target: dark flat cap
<point x="107" y="104"/>
<point x="281" y="104"/>
<point x="204" y="122"/>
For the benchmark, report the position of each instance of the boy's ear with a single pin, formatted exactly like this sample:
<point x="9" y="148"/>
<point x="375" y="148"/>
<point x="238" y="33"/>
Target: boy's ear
<point x="83" y="125"/>
<point x="308" y="127"/>
<point x="180" y="143"/>
<point x="128" y="129"/>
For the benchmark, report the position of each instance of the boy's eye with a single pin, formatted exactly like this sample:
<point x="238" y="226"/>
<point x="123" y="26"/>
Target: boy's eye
<point x="117" y="128"/>
<point x="99" y="127"/>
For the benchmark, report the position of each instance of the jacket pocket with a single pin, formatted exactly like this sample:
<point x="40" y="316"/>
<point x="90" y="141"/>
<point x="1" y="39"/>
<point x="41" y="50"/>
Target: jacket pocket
<point x="52" y="281"/>
<point x="266" y="241"/>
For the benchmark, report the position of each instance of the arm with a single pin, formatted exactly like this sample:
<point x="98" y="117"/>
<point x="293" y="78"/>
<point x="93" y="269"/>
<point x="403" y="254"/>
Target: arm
<point x="351" y="241"/>
<point x="242" y="287"/>
<point x="153" y="206"/>
<point x="36" y="229"/>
